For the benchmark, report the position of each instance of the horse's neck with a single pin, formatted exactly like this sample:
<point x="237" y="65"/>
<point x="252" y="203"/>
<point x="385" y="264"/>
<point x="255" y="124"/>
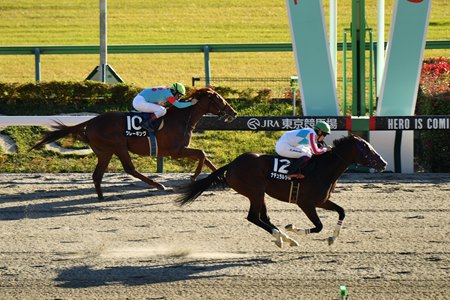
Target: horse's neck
<point x="334" y="166"/>
<point x="190" y="116"/>
<point x="195" y="114"/>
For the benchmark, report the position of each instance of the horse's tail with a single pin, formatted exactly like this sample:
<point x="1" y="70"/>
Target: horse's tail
<point x="77" y="132"/>
<point x="195" y="189"/>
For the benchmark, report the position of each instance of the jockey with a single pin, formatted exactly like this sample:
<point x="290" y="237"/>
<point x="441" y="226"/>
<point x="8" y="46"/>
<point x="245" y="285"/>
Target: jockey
<point x="302" y="144"/>
<point x="154" y="100"/>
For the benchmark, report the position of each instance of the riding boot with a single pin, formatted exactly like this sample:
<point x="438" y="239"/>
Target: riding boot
<point x="294" y="170"/>
<point x="147" y="122"/>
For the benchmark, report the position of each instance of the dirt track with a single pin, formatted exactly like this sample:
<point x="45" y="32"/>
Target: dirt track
<point x="58" y="242"/>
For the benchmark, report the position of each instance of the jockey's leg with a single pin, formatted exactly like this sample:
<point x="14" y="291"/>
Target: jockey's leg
<point x="289" y="151"/>
<point x="294" y="170"/>
<point x="154" y="111"/>
<point x="147" y="121"/>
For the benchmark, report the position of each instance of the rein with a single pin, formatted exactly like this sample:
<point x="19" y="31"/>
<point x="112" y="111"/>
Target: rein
<point x="186" y="130"/>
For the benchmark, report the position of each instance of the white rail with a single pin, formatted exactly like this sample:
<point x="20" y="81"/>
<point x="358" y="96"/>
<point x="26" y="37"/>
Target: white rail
<point x="42" y="120"/>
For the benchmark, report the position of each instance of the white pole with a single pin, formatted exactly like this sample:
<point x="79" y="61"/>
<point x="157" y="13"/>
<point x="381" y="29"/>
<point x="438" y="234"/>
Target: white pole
<point x="380" y="45"/>
<point x="103" y="41"/>
<point x="333" y="36"/>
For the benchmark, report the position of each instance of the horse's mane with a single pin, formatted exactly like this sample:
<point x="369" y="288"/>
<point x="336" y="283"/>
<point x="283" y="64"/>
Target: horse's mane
<point x="193" y="93"/>
<point x="343" y="141"/>
<point x="198" y="91"/>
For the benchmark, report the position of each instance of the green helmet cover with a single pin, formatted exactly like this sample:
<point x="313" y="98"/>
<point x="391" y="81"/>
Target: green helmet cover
<point x="323" y="126"/>
<point x="179" y="88"/>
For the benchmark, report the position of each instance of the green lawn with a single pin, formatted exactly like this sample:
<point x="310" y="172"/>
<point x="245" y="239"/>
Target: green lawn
<point x="76" y="22"/>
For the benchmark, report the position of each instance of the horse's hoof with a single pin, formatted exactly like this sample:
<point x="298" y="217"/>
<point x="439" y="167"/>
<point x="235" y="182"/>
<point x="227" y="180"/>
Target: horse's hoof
<point x="279" y="243"/>
<point x="285" y="238"/>
<point x="290" y="227"/>
<point x="278" y="238"/>
<point x="293" y="243"/>
<point x="331" y="240"/>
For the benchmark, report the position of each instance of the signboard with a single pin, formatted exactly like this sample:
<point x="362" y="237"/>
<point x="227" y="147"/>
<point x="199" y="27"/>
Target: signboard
<point x="411" y="123"/>
<point x="285" y="123"/>
<point x="271" y="123"/>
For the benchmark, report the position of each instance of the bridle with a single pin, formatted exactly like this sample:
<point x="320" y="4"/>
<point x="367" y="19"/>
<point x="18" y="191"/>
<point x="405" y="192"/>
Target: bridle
<point x="221" y="110"/>
<point x="372" y="163"/>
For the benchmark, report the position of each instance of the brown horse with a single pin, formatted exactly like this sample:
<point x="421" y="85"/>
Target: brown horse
<point x="252" y="174"/>
<point x="105" y="134"/>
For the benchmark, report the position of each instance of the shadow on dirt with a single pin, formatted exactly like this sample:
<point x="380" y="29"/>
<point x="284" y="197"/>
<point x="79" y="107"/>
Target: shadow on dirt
<point x="85" y="276"/>
<point x="75" y="206"/>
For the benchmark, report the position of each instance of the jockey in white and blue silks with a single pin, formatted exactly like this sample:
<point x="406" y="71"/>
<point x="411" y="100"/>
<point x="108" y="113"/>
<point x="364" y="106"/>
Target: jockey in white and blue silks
<point x="302" y="144"/>
<point x="154" y="100"/>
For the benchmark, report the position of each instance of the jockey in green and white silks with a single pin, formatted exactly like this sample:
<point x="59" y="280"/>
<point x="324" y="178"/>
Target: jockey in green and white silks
<point x="154" y="100"/>
<point x="302" y="144"/>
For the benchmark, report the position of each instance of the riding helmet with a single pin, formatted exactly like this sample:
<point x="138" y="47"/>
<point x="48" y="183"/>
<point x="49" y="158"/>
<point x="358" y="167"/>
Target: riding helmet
<point x="323" y="126"/>
<point x="179" y="88"/>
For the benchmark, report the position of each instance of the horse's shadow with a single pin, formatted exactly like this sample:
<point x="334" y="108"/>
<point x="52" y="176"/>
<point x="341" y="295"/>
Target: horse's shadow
<point x="85" y="276"/>
<point x="76" y="206"/>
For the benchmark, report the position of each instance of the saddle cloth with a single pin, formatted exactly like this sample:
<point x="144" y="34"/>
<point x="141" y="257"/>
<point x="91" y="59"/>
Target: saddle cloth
<point x="279" y="171"/>
<point x="133" y="128"/>
<point x="280" y="166"/>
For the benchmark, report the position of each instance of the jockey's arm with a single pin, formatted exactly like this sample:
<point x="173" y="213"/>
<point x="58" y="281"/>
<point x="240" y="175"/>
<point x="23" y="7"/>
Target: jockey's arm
<point x="179" y="104"/>
<point x="314" y="147"/>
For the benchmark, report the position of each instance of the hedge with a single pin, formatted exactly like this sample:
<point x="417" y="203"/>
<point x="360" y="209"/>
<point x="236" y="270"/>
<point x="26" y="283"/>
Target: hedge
<point x="434" y="99"/>
<point x="57" y="97"/>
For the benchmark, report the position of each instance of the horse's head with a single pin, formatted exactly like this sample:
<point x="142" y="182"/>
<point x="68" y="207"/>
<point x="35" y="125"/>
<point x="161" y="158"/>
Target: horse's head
<point x="367" y="156"/>
<point x="353" y="149"/>
<point x="211" y="102"/>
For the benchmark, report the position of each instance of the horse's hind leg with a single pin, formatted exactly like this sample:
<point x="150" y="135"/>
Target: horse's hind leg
<point x="328" y="205"/>
<point x="129" y="168"/>
<point x="97" y="176"/>
<point x="258" y="216"/>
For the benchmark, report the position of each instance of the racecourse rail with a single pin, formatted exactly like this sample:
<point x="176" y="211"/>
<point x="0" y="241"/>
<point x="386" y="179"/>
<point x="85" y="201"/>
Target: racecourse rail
<point x="37" y="51"/>
<point x="279" y="123"/>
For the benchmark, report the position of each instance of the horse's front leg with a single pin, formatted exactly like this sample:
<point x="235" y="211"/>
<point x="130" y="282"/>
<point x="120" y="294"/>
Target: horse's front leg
<point x="210" y="165"/>
<point x="328" y="205"/>
<point x="193" y="154"/>
<point x="311" y="213"/>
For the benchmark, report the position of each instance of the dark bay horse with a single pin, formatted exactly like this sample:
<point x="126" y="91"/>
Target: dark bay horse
<point x="249" y="173"/>
<point x="105" y="135"/>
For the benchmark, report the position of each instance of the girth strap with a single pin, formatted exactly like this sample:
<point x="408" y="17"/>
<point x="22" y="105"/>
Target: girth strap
<point x="294" y="192"/>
